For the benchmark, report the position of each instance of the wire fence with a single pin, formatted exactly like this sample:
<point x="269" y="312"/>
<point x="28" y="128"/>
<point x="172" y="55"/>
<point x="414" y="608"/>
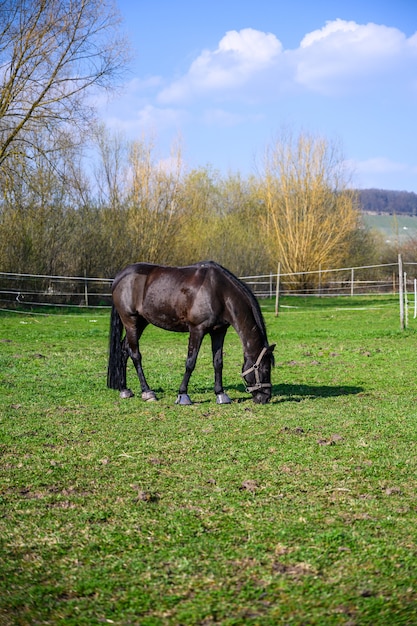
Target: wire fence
<point x="37" y="290"/>
<point x="346" y="281"/>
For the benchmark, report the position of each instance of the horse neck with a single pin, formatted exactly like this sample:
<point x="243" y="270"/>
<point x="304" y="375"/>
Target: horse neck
<point x="250" y="334"/>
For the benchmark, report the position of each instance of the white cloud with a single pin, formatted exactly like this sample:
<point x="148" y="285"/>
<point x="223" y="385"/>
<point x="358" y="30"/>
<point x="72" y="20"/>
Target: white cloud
<point x="251" y="48"/>
<point x="342" y="54"/>
<point x="220" y="117"/>
<point x="158" y="117"/>
<point x="132" y="90"/>
<point x="147" y="118"/>
<point x="330" y="29"/>
<point x="380" y="165"/>
<point x="249" y="80"/>
<point x="342" y="57"/>
<point x="383" y="173"/>
<point x="239" y="57"/>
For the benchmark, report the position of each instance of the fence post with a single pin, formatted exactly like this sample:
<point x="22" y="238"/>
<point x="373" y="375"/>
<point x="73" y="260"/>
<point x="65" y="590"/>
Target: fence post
<point x="85" y="288"/>
<point x="352" y="279"/>
<point x="401" y="290"/>
<point x="415" y="298"/>
<point x="320" y="280"/>
<point x="277" y="290"/>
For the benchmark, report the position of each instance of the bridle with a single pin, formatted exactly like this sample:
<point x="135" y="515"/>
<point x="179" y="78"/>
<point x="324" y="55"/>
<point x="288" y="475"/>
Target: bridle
<point x="255" y="368"/>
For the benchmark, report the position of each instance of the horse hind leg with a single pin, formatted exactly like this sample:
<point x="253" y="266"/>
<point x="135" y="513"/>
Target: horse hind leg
<point x="118" y="355"/>
<point x="132" y="345"/>
<point x="147" y="394"/>
<point x="125" y="392"/>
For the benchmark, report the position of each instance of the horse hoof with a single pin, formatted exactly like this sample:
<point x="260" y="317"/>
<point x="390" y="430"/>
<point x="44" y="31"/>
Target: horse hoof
<point x="126" y="393"/>
<point x="183" y="398"/>
<point x="223" y="398"/>
<point x="149" y="396"/>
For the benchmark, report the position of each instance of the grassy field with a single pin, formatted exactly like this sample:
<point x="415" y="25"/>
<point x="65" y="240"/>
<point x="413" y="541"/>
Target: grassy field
<point x="124" y="512"/>
<point x="396" y="228"/>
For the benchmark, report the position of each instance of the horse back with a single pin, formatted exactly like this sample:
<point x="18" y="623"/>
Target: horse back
<point x="172" y="298"/>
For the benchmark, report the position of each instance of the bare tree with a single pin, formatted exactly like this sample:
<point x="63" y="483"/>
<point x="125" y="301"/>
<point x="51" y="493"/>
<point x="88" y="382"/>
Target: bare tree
<point x="53" y="53"/>
<point x="310" y="214"/>
<point x="153" y="202"/>
<point x="111" y="167"/>
<point x="198" y="206"/>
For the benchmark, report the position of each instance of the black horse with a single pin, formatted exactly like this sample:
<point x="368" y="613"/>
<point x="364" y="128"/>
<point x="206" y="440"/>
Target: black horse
<point x="200" y="299"/>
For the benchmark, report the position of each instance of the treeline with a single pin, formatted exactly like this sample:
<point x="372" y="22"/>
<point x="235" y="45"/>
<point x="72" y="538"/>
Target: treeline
<point x="132" y="206"/>
<point x="392" y="202"/>
<point x="143" y="211"/>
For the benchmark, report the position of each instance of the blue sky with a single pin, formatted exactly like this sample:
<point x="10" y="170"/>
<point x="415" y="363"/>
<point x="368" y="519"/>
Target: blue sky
<point x="226" y="76"/>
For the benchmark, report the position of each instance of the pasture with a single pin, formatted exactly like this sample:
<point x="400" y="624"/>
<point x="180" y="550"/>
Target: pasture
<point x="298" y="512"/>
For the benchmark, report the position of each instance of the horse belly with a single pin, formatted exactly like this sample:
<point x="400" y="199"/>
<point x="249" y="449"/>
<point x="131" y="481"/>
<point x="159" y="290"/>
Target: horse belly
<point x="166" y="322"/>
<point x="165" y="315"/>
<point x="177" y="313"/>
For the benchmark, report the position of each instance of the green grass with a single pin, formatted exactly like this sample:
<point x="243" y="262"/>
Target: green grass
<point x="299" y="512"/>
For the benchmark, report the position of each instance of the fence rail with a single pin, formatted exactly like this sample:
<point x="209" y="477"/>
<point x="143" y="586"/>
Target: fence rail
<point x="360" y="280"/>
<point x="56" y="291"/>
<point x="41" y="290"/>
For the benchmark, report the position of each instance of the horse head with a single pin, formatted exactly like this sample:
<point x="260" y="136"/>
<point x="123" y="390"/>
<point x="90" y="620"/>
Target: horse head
<point x="257" y="375"/>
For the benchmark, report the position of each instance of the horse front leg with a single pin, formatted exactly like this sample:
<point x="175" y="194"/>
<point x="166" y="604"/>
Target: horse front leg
<point x="194" y="344"/>
<point x="217" y="341"/>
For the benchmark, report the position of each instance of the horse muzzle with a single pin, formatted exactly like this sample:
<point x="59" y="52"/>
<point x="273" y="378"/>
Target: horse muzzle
<point x="261" y="397"/>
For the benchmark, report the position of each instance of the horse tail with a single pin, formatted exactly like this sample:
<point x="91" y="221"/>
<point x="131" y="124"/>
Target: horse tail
<point x="116" y="371"/>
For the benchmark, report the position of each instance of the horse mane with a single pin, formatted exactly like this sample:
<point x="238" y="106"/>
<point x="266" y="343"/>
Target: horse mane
<point x="247" y="293"/>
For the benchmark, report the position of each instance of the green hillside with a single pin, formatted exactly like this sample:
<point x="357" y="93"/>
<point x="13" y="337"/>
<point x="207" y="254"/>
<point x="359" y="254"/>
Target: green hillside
<point x="392" y="226"/>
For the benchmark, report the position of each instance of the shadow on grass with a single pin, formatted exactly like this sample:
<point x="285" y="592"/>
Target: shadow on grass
<point x="297" y="393"/>
<point x="280" y="393"/>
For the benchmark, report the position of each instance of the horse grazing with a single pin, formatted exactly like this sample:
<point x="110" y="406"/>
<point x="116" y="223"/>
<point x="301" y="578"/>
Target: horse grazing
<point x="200" y="299"/>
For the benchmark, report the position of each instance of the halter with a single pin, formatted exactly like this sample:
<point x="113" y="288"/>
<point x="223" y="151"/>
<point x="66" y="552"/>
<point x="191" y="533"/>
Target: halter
<point x="255" y="368"/>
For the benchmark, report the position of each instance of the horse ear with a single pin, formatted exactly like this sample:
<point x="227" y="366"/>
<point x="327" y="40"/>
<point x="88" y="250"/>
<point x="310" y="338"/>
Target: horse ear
<point x="271" y="347"/>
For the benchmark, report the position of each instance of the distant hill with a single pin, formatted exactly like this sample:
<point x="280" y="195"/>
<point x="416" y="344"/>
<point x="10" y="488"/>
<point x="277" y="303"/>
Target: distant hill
<point x="381" y="201"/>
<point x="395" y="228"/>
